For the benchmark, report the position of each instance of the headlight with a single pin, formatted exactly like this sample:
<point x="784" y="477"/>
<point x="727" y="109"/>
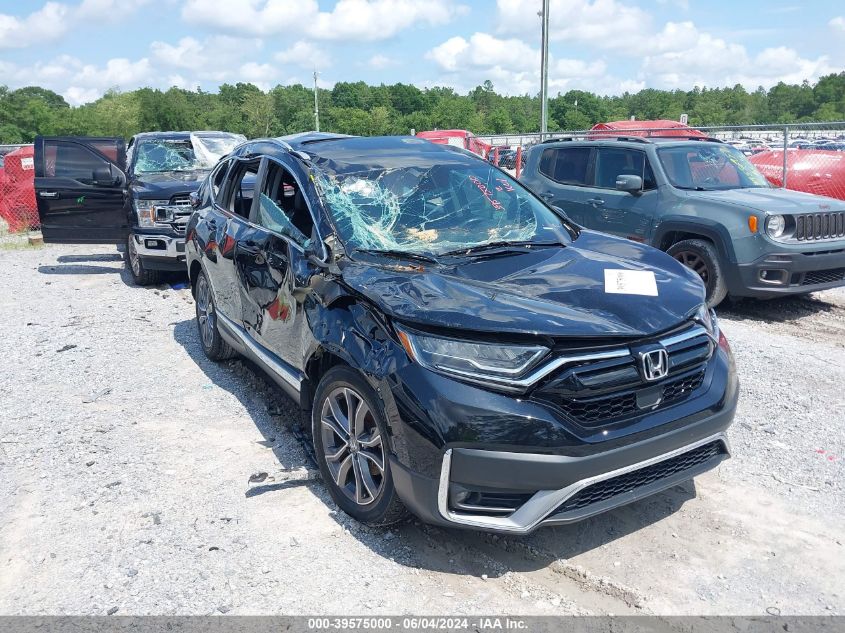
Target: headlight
<point x="480" y="362"/>
<point x="775" y="226"/>
<point x="146" y="210"/>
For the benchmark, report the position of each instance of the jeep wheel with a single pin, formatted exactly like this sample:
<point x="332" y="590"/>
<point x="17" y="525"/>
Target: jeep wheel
<point x="351" y="446"/>
<point x="212" y="343"/>
<point x="701" y="257"/>
<point x="140" y="275"/>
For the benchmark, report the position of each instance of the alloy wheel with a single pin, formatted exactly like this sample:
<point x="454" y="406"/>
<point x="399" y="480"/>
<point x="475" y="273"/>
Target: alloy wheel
<point x="695" y="262"/>
<point x="352" y="445"/>
<point x="205" y="312"/>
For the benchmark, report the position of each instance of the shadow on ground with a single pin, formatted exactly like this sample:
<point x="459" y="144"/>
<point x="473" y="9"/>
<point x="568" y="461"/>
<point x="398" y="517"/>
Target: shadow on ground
<point x="782" y="310"/>
<point x="274" y="414"/>
<point x="87" y="264"/>
<point x="453" y="551"/>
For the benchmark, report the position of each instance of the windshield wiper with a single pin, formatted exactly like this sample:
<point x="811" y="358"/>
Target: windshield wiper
<point x="503" y="245"/>
<point x="697" y="188"/>
<point x="398" y="254"/>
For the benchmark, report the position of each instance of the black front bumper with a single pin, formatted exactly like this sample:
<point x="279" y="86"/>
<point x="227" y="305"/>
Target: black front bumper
<point x="781" y="274"/>
<point x="549" y="489"/>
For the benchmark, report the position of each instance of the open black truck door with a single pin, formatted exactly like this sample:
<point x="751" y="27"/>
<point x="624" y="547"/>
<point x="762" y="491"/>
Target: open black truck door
<point x="81" y="189"/>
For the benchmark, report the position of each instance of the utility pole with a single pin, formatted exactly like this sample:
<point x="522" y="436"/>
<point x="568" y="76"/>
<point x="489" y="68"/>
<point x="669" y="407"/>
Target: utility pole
<point x="544" y="72"/>
<point x="316" y="105"/>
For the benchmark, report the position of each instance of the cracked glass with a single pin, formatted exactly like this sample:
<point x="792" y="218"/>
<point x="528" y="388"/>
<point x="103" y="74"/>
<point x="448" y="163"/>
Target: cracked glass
<point x="434" y="207"/>
<point x="195" y="153"/>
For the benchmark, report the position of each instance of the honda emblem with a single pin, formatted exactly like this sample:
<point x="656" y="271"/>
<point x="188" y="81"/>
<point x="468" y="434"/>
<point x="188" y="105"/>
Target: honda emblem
<point x="654" y="364"/>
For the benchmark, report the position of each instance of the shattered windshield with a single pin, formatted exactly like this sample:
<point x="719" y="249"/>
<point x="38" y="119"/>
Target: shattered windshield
<point x="434" y="208"/>
<point x="198" y="152"/>
<point x="709" y="166"/>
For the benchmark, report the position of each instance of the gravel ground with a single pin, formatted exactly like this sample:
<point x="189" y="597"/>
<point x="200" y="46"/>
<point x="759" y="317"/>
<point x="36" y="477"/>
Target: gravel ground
<point x="126" y="457"/>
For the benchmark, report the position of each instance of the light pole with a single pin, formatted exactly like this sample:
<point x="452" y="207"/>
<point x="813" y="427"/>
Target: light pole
<point x="544" y="72"/>
<point x="316" y="105"/>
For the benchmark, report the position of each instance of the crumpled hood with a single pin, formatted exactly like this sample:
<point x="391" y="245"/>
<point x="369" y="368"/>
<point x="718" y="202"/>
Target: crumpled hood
<point x="545" y="292"/>
<point x="158" y="186"/>
<point x="773" y="201"/>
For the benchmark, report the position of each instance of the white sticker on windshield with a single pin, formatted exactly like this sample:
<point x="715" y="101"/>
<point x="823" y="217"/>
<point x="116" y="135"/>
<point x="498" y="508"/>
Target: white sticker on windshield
<point x="630" y="282"/>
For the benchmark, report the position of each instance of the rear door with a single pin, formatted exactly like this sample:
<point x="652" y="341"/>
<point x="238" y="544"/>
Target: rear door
<point x="81" y="189"/>
<point x="563" y="173"/>
<point x="620" y="212"/>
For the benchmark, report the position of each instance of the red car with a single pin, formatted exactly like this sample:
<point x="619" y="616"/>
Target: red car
<point x="817" y="171"/>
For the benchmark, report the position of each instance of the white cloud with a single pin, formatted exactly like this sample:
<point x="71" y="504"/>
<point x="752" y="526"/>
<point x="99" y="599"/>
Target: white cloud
<point x="379" y="62"/>
<point x="511" y="64"/>
<point x="360" y="20"/>
<point x="603" y="24"/>
<point x="305" y="55"/>
<point x="837" y="23"/>
<point x="54" y="19"/>
<point x="687" y="57"/>
<point x="215" y="58"/>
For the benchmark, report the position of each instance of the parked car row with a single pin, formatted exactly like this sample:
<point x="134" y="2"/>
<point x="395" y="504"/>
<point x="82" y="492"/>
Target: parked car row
<point x="479" y="350"/>
<point x="465" y="350"/>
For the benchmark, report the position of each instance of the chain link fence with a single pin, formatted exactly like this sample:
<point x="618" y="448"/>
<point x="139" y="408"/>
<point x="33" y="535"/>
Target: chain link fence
<point x="18" y="210"/>
<point x="806" y="157"/>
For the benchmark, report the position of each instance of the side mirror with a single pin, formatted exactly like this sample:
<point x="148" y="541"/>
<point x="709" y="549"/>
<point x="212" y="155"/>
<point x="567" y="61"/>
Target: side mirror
<point x="194" y="200"/>
<point x="103" y="176"/>
<point x="629" y="183"/>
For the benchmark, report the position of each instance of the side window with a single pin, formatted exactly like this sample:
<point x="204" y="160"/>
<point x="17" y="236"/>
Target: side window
<point x="282" y="207"/>
<point x="216" y="179"/>
<point x="239" y="192"/>
<point x="567" y="165"/>
<point x="71" y="160"/>
<point x="612" y="162"/>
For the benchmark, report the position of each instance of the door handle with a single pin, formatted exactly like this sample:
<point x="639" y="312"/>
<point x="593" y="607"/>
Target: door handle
<point x="596" y="202"/>
<point x="48" y="194"/>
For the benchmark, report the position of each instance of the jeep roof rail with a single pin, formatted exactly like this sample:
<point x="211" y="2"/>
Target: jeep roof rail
<point x="710" y="139"/>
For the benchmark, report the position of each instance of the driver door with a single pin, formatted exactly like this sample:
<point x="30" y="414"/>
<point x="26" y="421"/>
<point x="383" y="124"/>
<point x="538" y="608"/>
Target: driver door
<point x="81" y="189"/>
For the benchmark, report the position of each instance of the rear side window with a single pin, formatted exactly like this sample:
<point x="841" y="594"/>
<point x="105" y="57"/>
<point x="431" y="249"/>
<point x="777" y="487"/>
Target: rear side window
<point x="612" y="162"/>
<point x="567" y="165"/>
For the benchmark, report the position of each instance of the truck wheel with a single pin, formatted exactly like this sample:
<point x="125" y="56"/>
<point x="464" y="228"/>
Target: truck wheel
<point x="351" y="447"/>
<point x="212" y="343"/>
<point x="701" y="257"/>
<point x="140" y="275"/>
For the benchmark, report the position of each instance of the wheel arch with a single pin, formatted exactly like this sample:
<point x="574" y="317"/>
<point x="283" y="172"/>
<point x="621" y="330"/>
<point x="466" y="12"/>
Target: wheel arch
<point x="672" y="231"/>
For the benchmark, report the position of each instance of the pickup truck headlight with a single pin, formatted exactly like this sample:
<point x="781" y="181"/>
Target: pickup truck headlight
<point x="776" y="226"/>
<point x="146" y="210"/>
<point x="479" y="362"/>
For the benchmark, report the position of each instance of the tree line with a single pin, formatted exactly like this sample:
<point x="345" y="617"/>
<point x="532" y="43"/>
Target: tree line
<point x="361" y="109"/>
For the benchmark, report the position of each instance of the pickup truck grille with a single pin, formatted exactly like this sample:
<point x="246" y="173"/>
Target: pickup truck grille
<point x="819" y="226"/>
<point x="179" y="209"/>
<point x="602" y="392"/>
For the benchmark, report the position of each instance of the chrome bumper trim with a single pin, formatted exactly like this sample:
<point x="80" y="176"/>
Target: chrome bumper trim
<point x="544" y="502"/>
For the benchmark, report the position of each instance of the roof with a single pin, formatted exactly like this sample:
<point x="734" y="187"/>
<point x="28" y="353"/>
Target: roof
<point x="180" y="135"/>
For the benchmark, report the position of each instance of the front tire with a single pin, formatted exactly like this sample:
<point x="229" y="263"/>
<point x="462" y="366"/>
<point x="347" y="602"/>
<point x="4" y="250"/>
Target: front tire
<point x="701" y="257"/>
<point x="213" y="345"/>
<point x="140" y="274"/>
<point x="351" y="446"/>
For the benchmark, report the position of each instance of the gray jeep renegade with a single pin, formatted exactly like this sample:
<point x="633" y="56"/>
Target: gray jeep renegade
<point x="701" y="201"/>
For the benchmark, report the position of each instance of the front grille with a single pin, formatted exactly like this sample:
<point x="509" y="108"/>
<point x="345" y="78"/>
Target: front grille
<point x="819" y="226"/>
<point x="628" y="482"/>
<point x="605" y="391"/>
<point x="620" y="406"/>
<point x="181" y="200"/>
<point x="823" y="276"/>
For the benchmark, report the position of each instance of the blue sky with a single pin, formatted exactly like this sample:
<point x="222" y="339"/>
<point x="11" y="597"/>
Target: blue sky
<point x="80" y="48"/>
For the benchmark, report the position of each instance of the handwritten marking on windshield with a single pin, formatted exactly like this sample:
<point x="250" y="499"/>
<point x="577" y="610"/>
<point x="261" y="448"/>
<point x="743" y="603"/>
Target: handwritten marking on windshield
<point x="487" y="193"/>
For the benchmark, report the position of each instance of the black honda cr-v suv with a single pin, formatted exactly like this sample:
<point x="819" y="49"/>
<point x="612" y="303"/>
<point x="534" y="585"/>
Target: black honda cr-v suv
<point x="463" y="350"/>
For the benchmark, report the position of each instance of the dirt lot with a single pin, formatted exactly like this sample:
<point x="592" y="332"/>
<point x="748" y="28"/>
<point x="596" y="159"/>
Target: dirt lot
<point x="125" y="459"/>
